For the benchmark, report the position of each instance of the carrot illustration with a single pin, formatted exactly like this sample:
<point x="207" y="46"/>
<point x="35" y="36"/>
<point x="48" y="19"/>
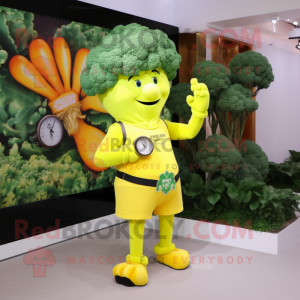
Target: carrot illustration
<point x="42" y="58"/>
<point x="88" y="138"/>
<point x="79" y="65"/>
<point x="41" y="75"/>
<point x="27" y="74"/>
<point x="92" y="102"/>
<point x="63" y="59"/>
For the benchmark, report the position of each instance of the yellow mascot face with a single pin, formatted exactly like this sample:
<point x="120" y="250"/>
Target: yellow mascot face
<point x="138" y="99"/>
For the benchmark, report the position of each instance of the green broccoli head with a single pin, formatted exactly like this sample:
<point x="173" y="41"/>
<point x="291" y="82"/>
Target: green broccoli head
<point x="236" y="98"/>
<point x="214" y="75"/>
<point x="128" y="50"/>
<point x="251" y="68"/>
<point x="217" y="154"/>
<point x="176" y="102"/>
<point x="255" y="161"/>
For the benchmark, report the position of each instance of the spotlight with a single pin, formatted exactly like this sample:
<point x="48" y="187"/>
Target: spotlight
<point x="274" y="20"/>
<point x="298" y="46"/>
<point x="295" y="23"/>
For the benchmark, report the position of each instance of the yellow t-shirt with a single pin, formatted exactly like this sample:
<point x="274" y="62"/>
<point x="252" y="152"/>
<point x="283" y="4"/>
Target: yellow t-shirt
<point x="161" y="159"/>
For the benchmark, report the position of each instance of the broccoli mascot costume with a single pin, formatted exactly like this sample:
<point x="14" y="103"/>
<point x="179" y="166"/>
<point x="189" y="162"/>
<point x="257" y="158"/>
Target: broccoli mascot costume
<point x="130" y="72"/>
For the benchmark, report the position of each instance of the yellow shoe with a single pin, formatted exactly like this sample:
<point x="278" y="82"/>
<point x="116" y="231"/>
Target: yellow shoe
<point x="178" y="259"/>
<point x="131" y="274"/>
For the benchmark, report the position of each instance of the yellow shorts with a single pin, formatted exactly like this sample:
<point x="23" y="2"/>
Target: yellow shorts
<point x="137" y="202"/>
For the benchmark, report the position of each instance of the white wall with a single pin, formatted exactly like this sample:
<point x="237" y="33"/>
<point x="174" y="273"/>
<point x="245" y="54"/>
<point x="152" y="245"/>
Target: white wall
<point x="196" y="14"/>
<point x="157" y="10"/>
<point x="277" y="119"/>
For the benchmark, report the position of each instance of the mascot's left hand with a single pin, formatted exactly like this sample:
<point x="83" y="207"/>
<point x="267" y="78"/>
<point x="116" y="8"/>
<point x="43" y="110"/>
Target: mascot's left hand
<point x="200" y="101"/>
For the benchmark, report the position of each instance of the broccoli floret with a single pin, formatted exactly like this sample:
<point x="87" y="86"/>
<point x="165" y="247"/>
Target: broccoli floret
<point x="176" y="102"/>
<point x="215" y="76"/>
<point x="218" y="155"/>
<point x="255" y="161"/>
<point x="128" y="50"/>
<point x="236" y="98"/>
<point x="184" y="170"/>
<point x="251" y="69"/>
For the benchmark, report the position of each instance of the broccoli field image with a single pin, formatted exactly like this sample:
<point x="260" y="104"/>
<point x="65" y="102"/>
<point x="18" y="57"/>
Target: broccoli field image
<point x="31" y="171"/>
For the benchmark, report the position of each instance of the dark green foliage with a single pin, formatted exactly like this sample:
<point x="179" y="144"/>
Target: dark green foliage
<point x="295" y="157"/>
<point x="243" y="218"/>
<point x="215" y="76"/>
<point x="99" y="120"/>
<point x="218" y="155"/>
<point x="287" y="174"/>
<point x="262" y="204"/>
<point x="255" y="161"/>
<point x="15" y="24"/>
<point x="3" y="56"/>
<point x="18" y="105"/>
<point x="24" y="181"/>
<point x="79" y="35"/>
<point x="184" y="169"/>
<point x="105" y="179"/>
<point x="235" y="99"/>
<point x="144" y="50"/>
<point x="251" y="69"/>
<point x="176" y="102"/>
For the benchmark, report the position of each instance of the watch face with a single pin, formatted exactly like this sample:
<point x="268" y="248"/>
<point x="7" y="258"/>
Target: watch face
<point x="143" y="146"/>
<point x="50" y="131"/>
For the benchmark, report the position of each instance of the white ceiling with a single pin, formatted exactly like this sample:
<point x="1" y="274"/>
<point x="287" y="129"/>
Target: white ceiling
<point x="279" y="30"/>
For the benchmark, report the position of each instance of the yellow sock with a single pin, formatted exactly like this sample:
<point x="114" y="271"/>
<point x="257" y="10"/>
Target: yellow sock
<point x="136" y="240"/>
<point x="165" y="244"/>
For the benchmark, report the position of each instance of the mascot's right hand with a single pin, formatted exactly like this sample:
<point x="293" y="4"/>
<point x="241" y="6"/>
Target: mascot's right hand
<point x="200" y="101"/>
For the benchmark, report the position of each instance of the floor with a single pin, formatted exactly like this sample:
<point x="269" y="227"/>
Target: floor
<point x="82" y="269"/>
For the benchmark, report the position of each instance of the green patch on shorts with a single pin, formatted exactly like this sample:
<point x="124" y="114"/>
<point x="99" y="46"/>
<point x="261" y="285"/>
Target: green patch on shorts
<point x="166" y="182"/>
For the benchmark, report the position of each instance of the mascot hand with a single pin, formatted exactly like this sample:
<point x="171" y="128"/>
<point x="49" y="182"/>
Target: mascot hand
<point x="132" y="155"/>
<point x="200" y="101"/>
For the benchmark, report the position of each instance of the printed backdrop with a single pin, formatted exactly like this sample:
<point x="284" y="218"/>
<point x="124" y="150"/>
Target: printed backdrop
<point x="29" y="172"/>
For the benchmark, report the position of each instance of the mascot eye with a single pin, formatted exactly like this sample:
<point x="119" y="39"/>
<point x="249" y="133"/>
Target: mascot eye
<point x="154" y="80"/>
<point x="138" y="83"/>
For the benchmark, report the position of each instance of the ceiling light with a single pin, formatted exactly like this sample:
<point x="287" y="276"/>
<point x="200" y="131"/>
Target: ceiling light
<point x="298" y="46"/>
<point x="295" y="23"/>
<point x="274" y="20"/>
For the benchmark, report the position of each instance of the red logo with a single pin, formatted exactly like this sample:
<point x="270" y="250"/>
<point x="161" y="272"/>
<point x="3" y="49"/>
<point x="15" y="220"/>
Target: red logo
<point x="39" y="258"/>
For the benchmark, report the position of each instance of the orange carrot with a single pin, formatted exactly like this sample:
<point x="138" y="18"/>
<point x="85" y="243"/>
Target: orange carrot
<point x="42" y="58"/>
<point x="82" y="94"/>
<point x="92" y="102"/>
<point x="79" y="65"/>
<point x="88" y="138"/>
<point x="26" y="73"/>
<point x="62" y="56"/>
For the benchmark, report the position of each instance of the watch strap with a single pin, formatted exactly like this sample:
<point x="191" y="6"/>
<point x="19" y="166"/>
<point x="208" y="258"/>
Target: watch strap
<point x="123" y="132"/>
<point x="165" y="122"/>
